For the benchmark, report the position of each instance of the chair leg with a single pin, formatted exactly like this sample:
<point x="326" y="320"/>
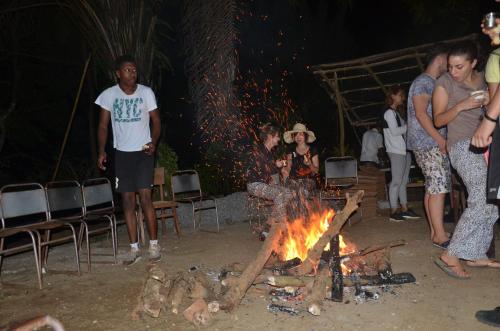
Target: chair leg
<point x="194" y="216"/>
<point x="112" y="223"/>
<point x="217" y="215"/>
<point x="2" y="242"/>
<point x="77" y="251"/>
<point x="36" y="253"/>
<point x="86" y="231"/>
<point x="163" y="220"/>
<point x="44" y="253"/>
<point x="176" y="222"/>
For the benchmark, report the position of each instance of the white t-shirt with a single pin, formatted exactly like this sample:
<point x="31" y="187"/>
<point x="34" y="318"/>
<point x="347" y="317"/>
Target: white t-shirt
<point x="372" y="142"/>
<point x="129" y="116"/>
<point x="394" y="135"/>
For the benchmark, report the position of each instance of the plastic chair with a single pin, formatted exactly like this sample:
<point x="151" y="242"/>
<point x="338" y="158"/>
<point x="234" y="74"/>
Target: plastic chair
<point x="66" y="202"/>
<point x="186" y="188"/>
<point x="99" y="206"/>
<point x="25" y="209"/>
<point x="164" y="209"/>
<point x="340" y="173"/>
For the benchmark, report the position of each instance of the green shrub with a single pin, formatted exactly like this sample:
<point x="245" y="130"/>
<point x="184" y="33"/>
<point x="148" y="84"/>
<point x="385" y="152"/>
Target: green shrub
<point x="167" y="158"/>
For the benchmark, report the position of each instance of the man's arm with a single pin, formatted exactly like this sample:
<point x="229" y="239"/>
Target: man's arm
<point x="482" y="136"/>
<point x="420" y="103"/>
<point x="154" y="116"/>
<point x="102" y="137"/>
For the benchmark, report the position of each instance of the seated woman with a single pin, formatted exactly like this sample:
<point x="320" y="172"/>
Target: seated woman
<point x="263" y="171"/>
<point x="302" y="159"/>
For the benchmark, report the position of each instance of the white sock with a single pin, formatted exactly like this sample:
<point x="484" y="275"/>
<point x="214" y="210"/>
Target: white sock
<point x="153" y="243"/>
<point x="134" y="245"/>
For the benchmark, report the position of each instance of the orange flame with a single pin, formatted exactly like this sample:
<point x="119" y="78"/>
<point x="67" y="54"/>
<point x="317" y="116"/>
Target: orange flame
<point x="303" y="234"/>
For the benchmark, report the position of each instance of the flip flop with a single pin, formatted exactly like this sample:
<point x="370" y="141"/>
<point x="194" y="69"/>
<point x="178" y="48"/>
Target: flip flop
<point x="442" y="245"/>
<point x="494" y="264"/>
<point x="448" y="269"/>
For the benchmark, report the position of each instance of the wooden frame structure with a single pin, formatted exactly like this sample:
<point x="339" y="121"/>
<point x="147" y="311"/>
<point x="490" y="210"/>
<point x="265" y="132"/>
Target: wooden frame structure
<point x="358" y="87"/>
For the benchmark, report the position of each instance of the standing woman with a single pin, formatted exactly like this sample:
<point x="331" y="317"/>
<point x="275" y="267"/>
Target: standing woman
<point x="457" y="104"/>
<point x="395" y="146"/>
<point x="302" y="159"/>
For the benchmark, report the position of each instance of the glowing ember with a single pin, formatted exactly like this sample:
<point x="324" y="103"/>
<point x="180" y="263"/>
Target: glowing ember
<point x="303" y="234"/>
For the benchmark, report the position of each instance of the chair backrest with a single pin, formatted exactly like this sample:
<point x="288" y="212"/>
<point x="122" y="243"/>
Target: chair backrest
<point x="97" y="195"/>
<point x="345" y="167"/>
<point x="186" y="182"/>
<point x="159" y="180"/>
<point x="23" y="204"/>
<point x="65" y="199"/>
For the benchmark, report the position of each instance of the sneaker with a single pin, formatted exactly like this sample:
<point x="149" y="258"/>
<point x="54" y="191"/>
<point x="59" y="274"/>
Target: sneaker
<point x="154" y="253"/>
<point x="133" y="257"/>
<point x="396" y="217"/>
<point x="410" y="214"/>
<point x="490" y="317"/>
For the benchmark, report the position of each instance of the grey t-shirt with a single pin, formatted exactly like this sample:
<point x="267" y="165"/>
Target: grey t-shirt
<point x="464" y="125"/>
<point x="417" y="137"/>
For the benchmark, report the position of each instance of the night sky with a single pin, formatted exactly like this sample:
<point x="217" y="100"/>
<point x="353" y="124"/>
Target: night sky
<point x="277" y="42"/>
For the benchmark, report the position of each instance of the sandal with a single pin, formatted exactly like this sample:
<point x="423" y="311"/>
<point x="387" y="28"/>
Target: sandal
<point x="484" y="264"/>
<point x="449" y="269"/>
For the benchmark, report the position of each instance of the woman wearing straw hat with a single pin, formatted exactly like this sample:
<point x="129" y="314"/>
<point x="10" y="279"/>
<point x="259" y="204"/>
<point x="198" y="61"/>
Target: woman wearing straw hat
<point x="302" y="159"/>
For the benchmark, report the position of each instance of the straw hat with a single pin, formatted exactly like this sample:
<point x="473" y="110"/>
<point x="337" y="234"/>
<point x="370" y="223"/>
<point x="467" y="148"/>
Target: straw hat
<point x="299" y="127"/>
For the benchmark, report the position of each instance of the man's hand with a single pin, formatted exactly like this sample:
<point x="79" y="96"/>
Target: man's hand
<point x="149" y="148"/>
<point x="101" y="160"/>
<point x="482" y="136"/>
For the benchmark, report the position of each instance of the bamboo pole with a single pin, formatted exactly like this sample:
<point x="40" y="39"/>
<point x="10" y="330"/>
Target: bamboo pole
<point x="68" y="127"/>
<point x="340" y="109"/>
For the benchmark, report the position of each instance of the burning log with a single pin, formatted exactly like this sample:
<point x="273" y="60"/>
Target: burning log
<point x="317" y="295"/>
<point x="374" y="248"/>
<point x="237" y="291"/>
<point x="305" y="281"/>
<point x="341" y="217"/>
<point x="336" y="269"/>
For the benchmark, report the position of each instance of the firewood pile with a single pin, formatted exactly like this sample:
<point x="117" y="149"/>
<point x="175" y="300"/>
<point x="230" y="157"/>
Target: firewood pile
<point x="309" y="282"/>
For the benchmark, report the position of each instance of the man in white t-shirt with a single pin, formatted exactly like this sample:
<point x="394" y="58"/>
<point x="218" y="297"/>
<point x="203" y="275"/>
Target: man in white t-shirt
<point x="131" y="107"/>
<point x="372" y="142"/>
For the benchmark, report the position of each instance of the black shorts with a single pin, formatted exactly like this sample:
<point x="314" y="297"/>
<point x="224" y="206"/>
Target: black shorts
<point x="133" y="171"/>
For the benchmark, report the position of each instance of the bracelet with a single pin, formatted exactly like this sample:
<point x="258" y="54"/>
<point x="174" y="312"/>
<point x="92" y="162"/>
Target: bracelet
<point x="489" y="118"/>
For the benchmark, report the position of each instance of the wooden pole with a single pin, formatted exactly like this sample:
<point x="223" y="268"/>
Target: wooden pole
<point x="68" y="127"/>
<point x="340" y="110"/>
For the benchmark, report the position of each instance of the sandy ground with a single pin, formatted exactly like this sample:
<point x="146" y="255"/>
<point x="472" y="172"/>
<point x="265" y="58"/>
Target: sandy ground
<point x="104" y="298"/>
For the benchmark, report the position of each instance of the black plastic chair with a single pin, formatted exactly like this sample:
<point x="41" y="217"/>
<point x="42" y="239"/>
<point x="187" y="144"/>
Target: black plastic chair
<point x="25" y="209"/>
<point x="340" y="173"/>
<point x="186" y="188"/>
<point x="98" y="207"/>
<point x="66" y="203"/>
